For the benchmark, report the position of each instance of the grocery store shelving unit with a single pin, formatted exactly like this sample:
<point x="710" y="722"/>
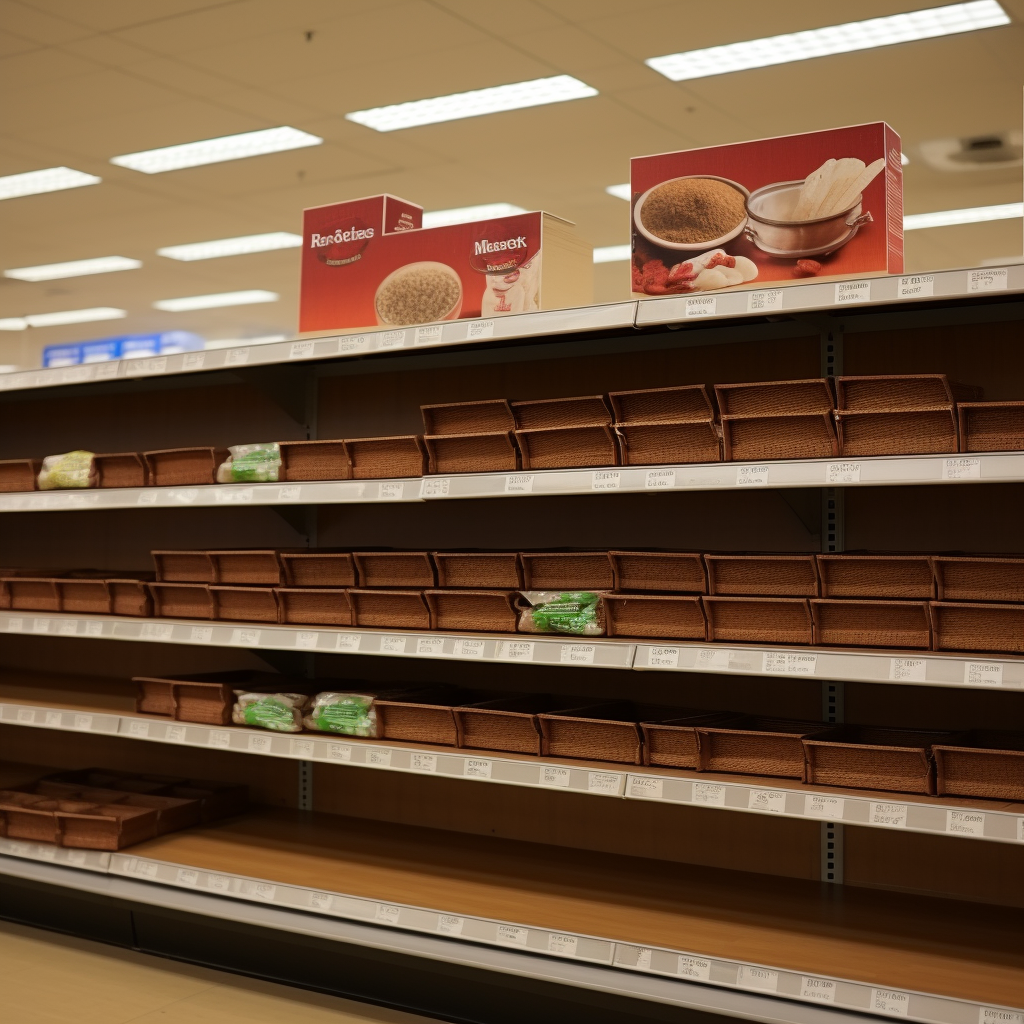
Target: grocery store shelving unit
<point x="688" y="889"/>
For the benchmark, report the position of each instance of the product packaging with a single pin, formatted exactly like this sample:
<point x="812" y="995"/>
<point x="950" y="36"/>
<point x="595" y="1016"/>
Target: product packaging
<point x="350" y="714"/>
<point x="772" y="211"/>
<point x="251" y="463"/>
<point x="370" y="263"/>
<point x="70" y="470"/>
<point x="279" y="712"/>
<point x="575" y="612"/>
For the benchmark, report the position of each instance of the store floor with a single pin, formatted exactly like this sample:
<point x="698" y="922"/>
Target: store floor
<point x="52" y="979"/>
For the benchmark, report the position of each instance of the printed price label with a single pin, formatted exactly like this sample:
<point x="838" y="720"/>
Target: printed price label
<point x="469" y="648"/>
<point x="646" y="787"/>
<point x="965" y="823"/>
<point x="219" y="739"/>
<point x="387" y="914"/>
<point x="138" y="729"/>
<point x="320" y="900"/>
<point x="26" y="716"/>
<point x="257" y="743"/>
<point x="435" y="487"/>
<point x="289" y="494"/>
<point x="264" y="891"/>
<point x="423" y="762"/>
<point x="306" y="641"/>
<point x="710" y="658"/>
<point x="156" y="631"/>
<point x="818" y="990"/>
<point x="709" y="794"/>
<point x="348" y="642"/>
<point x="391" y="339"/>
<point x="785" y="663"/>
<point x="40" y="625"/>
<point x="201" y="634"/>
<point x="764" y="302"/>
<point x="93" y="627"/>
<point x="842" y="473"/>
<point x="448" y="925"/>
<point x="704" y="305"/>
<point x="558" y="778"/>
<point x="354" y="343"/>
<point x="694" y="967"/>
<point x="662" y="657"/>
<point x="426" y="335"/>
<point x="771" y="801"/>
<point x="236" y="357"/>
<point x="920" y="286"/>
<point x="752" y="476"/>
<point x="239" y="496"/>
<point x="993" y="280"/>
<point x="15" y="625"/>
<point x="392" y="645"/>
<point x="515" y="650"/>
<point x="477" y="768"/>
<point x="605" y="480"/>
<point x="245" y="637"/>
<point x="849" y="292"/>
<point x="758" y="978"/>
<point x="983" y="673"/>
<point x="481" y="329"/>
<point x="68" y="627"/>
<point x="578" y="654"/>
<point x="339" y="751"/>
<point x="562" y="945"/>
<point x="145" y="367"/>
<point x="303" y="748"/>
<point x="643" y="959"/>
<point x="660" y="479"/>
<point x="184" y="497"/>
<point x="961" y="469"/>
<point x="890" y="815"/>
<point x="429" y="647"/>
<point x="83" y="723"/>
<point x="301" y="349"/>
<point x="188" y="876"/>
<point x="990" y="1015"/>
<point x="610" y="783"/>
<point x="511" y="935"/>
<point x="391" y="491"/>
<point x="379" y="756"/>
<point x="193" y="360"/>
<point x="890" y="1002"/>
<point x="219" y="883"/>
<point x="830" y="807"/>
<point x="907" y="670"/>
<point x="146" y="868"/>
<point x="519" y="483"/>
<point x="174" y="734"/>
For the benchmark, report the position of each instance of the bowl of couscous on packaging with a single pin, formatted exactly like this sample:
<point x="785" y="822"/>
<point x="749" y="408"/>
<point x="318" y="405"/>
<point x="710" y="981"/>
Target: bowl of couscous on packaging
<point x="692" y="213"/>
<point x="418" y="293"/>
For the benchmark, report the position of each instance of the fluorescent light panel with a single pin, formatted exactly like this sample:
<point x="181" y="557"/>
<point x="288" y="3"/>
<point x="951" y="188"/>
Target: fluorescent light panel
<point x="239" y="246"/>
<point x="52" y="179"/>
<point x="612" y="253"/>
<point x="823" y="42"/>
<point x="216" y="151"/>
<point x="466" y="214"/>
<point x="215" y="301"/>
<point x="13" y="323"/>
<point x="975" y="215"/>
<point x="76" y="268"/>
<point x="65" y="316"/>
<point x="517" y="96"/>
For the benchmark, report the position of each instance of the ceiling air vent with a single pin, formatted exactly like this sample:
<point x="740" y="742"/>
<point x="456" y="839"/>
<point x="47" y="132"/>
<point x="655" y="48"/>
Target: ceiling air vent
<point x="977" y="153"/>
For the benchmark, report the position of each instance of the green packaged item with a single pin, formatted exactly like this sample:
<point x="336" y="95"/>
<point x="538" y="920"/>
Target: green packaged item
<point x="575" y="612"/>
<point x="251" y="463"/>
<point x="350" y="714"/>
<point x="72" y="469"/>
<point x="279" y="712"/>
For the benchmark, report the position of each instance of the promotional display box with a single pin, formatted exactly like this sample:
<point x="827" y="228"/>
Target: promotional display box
<point x="825" y="204"/>
<point x="369" y="263"/>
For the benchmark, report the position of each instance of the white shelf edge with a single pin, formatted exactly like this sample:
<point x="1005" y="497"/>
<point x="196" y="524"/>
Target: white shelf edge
<point x="729" y="974"/>
<point x="777" y="797"/>
<point x="878" y="471"/>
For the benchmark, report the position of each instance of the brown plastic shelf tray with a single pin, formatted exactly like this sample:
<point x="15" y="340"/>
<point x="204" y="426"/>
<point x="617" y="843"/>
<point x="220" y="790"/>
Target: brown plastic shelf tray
<point x="508" y="724"/>
<point x="314" y="606"/>
<point x="479" y="570"/>
<point x="130" y="597"/>
<point x="85" y="597"/>
<point x="602" y="732"/>
<point x="657" y="616"/>
<point x="966" y="626"/>
<point x="551" y="413"/>
<point x="121" y="469"/>
<point x="866" y="757"/>
<point x="29" y="593"/>
<point x="978" y="578"/>
<point x="389" y="609"/>
<point x="77" y="823"/>
<point x="318" y="569"/>
<point x="762" y="575"/>
<point x="666" y="425"/>
<point x="244" y="604"/>
<point x="251" y="566"/>
<point x="769" y="747"/>
<point x="672" y="572"/>
<point x="568" y="447"/>
<point x="689" y="403"/>
<point x="181" y="600"/>
<point x="376" y="458"/>
<point x="487" y="417"/>
<point x="567" y="570"/>
<point x="481" y="611"/>
<point x="897" y="577"/>
<point x="185" y="700"/>
<point x="19" y="474"/>
<point x="184" y="567"/>
<point x="985" y="764"/>
<point x="674" y="743"/>
<point x="314" y="460"/>
<point x="763" y="620"/>
<point x="421" y="717"/>
<point x="864" y="623"/>
<point x="494" y="452"/>
<point x="394" y="568"/>
<point x="184" y="467"/>
<point x="991" y="426"/>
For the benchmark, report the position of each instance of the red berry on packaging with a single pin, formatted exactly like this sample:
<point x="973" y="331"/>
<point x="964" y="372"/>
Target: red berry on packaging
<point x="808" y="268"/>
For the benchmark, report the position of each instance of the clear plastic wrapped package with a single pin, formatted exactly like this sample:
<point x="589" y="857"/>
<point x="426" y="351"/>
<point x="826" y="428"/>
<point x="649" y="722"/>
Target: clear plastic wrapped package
<point x="350" y="714"/>
<point x="574" y="612"/>
<point x="72" y="469"/>
<point x="279" y="712"/>
<point x="251" y="463"/>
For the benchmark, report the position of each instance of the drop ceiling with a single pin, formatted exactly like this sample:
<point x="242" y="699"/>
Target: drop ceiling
<point x="82" y="82"/>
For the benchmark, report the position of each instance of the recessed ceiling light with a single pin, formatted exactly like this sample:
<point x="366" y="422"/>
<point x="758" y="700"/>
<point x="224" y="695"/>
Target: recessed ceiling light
<point x="74" y="316"/>
<point x="232" y="246"/>
<point x="14" y="323"/>
<point x="974" y="215"/>
<point x="612" y="253"/>
<point x="76" y="268"/>
<point x="247" y="298"/>
<point x="215" y="151"/>
<point x="823" y="42"/>
<point x="472" y="104"/>
<point x="620" y="191"/>
<point x="465" y="214"/>
<point x="53" y="179"/>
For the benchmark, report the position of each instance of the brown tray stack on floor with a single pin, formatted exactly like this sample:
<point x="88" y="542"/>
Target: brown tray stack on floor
<point x="790" y="419"/>
<point x="980" y="604"/>
<point x="899" y="415"/>
<point x="314" y="460"/>
<point x="991" y="426"/>
<point x="377" y="458"/>
<point x="666" y="425"/>
<point x="124" y="469"/>
<point x="184" y="467"/>
<point x="470" y="437"/>
<point x="564" y="433"/>
<point x="19" y="474"/>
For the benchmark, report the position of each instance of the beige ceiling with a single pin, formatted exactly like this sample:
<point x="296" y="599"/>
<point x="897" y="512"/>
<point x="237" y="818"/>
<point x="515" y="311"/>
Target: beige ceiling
<point x="84" y="80"/>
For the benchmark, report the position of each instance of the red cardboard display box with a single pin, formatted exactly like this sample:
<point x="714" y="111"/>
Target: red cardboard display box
<point x="825" y="204"/>
<point x="369" y="263"/>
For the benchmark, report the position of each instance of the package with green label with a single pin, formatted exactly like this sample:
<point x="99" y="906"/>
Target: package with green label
<point x="279" y="712"/>
<point x="573" y="612"/>
<point x="350" y="714"/>
<point x="251" y="463"/>
<point x="72" y="469"/>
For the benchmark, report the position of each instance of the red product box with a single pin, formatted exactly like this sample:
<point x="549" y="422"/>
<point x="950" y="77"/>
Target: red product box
<point x="370" y="263"/>
<point x="825" y="204"/>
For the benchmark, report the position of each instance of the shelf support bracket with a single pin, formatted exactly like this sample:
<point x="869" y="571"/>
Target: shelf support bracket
<point x="832" y="852"/>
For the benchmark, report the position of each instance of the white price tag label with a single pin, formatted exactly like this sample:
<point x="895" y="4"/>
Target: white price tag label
<point x="991" y="280"/>
<point x="156" y="631"/>
<point x="562" y="945"/>
<point x="188" y="876"/>
<point x="643" y="959"/>
<point x="245" y="637"/>
<point x="519" y="483"/>
<point x="660" y="479"/>
<point x="889" y="1002"/>
<point x="961" y="469"/>
<point x="709" y="657"/>
<point x="193" y="360"/>
<point x="469" y="648"/>
<point x="235" y="496"/>
<point x="515" y="650"/>
<point x="236" y="357"/>
<point x="764" y="302"/>
<point x="849" y="292"/>
<point x="512" y="935"/>
<point x="662" y="657"/>
<point x="391" y="340"/>
<point x="391" y="490"/>
<point x="557" y="778"/>
<point x="40" y="625"/>
<point x="481" y="329"/>
<point x="68" y="627"/>
<point x="476" y="768"/>
<point x="703" y="305"/>
<point x="15" y="625"/>
<point x="138" y="728"/>
<point x="320" y="900"/>
<point x="423" y="762"/>
<point x="449" y="925"/>
<point x="991" y="1015"/>
<point x="694" y="967"/>
<point x="758" y="978"/>
<point x="818" y="990"/>
<point x="392" y="645"/>
<point x="219" y="739"/>
<point x="352" y="344"/>
<point x="174" y="734"/>
<point x="786" y="663"/>
<point x="201" y="634"/>
<point x="709" y="794"/>
<point x="83" y="723"/>
<point x="219" y="883"/>
<point x="145" y="367"/>
<point x="301" y="349"/>
<point x="435" y="487"/>
<point x="771" y="801"/>
<point x="890" y="815"/>
<point x="830" y="807"/>
<point x="303" y="748"/>
<point x="983" y="673"/>
<point x="427" y="335"/>
<point x="965" y="823"/>
<point x="646" y="787"/>
<point x="306" y="641"/>
<point x="258" y="743"/>
<point x="430" y="647"/>
<point x="289" y="494"/>
<point x="348" y="642"/>
<point x="919" y="286"/>
<point x="842" y="473"/>
<point x="1020" y="830"/>
<point x="54" y="719"/>
<point x="183" y="497"/>
<point x="752" y="476"/>
<point x="264" y="891"/>
<point x="146" y="868"/>
<point x="605" y="480"/>
<point x="609" y="783"/>
<point x="339" y="751"/>
<point x="26" y="716"/>
<point x="379" y="756"/>
<point x="907" y="670"/>
<point x="578" y="654"/>
<point x="93" y="627"/>
<point x="387" y="914"/>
